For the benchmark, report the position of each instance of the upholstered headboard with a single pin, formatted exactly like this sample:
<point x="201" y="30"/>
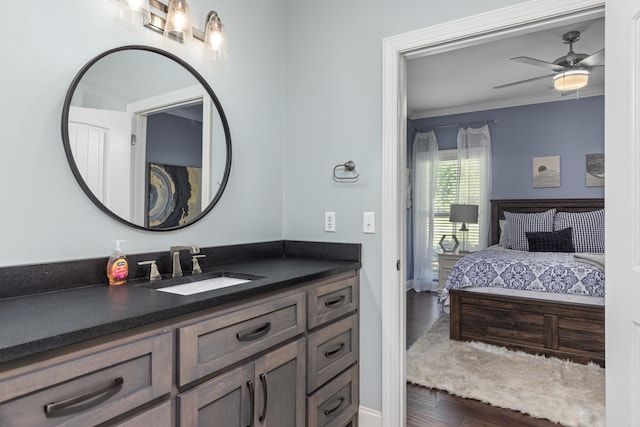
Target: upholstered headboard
<point x="537" y="205"/>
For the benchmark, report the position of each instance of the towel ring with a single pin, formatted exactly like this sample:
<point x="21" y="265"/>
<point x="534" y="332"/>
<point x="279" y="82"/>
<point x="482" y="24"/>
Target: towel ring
<point x="348" y="166"/>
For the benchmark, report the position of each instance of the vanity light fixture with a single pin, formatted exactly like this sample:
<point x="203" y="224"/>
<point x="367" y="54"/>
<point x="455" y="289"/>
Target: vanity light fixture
<point x="571" y="80"/>
<point x="174" y="22"/>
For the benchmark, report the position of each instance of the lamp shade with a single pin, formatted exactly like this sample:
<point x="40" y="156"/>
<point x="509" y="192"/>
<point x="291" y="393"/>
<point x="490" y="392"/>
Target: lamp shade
<point x="571" y="80"/>
<point x="213" y="37"/>
<point x="464" y="213"/>
<point x="178" y="24"/>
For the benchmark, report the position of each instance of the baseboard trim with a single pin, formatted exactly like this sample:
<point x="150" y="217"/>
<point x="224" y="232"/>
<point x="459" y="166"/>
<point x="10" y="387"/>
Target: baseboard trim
<point x="369" y="417"/>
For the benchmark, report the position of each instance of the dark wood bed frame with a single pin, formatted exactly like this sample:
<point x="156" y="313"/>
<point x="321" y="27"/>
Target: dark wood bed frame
<point x="561" y="329"/>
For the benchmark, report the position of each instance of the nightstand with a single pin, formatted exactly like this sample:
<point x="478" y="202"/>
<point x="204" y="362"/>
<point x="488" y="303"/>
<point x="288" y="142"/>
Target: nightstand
<point x="446" y="261"/>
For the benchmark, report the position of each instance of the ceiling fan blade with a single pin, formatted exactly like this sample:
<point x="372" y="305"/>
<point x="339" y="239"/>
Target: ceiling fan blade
<point x="524" y="81"/>
<point x="538" y="63"/>
<point x="593" y="60"/>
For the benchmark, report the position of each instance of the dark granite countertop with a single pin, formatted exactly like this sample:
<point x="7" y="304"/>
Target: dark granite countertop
<point x="35" y="323"/>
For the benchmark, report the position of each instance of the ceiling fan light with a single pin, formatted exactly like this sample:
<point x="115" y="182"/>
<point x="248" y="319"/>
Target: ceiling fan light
<point x="571" y="80"/>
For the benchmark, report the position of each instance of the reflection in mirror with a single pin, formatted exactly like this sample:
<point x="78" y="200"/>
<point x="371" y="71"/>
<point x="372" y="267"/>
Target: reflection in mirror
<point x="146" y="138"/>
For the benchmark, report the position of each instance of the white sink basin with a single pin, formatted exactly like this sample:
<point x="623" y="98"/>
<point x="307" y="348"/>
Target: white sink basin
<point x="203" y="285"/>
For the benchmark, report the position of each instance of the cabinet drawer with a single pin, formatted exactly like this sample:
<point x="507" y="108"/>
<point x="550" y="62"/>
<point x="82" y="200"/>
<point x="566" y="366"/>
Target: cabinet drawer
<point x="332" y="298"/>
<point x="335" y="404"/>
<point x="90" y="389"/>
<point x="331" y="350"/>
<point x="213" y="344"/>
<point x="158" y="416"/>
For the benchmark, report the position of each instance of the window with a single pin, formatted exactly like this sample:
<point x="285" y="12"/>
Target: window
<point x="448" y="193"/>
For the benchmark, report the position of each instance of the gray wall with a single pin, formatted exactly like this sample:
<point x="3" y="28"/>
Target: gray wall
<point x="333" y="114"/>
<point x="299" y="76"/>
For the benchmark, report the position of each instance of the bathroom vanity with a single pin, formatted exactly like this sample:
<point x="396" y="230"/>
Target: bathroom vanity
<point x="279" y="350"/>
<point x="276" y="346"/>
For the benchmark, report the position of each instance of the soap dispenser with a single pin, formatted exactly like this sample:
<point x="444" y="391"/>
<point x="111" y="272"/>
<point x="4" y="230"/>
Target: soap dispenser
<point x="117" y="266"/>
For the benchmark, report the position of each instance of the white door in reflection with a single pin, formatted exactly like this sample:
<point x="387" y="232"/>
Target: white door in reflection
<point x="101" y="146"/>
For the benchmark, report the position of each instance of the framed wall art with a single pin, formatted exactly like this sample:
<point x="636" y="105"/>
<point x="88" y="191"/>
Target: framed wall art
<point x="546" y="172"/>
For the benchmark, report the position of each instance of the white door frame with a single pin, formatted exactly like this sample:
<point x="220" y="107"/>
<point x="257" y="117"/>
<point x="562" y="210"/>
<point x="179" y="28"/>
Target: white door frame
<point x="140" y="110"/>
<point x="502" y="23"/>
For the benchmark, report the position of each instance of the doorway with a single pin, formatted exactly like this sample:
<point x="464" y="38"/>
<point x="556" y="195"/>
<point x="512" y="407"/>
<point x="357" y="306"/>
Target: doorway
<point x="502" y="23"/>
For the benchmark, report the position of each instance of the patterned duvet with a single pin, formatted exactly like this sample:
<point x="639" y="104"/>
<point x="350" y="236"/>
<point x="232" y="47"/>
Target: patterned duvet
<point x="556" y="272"/>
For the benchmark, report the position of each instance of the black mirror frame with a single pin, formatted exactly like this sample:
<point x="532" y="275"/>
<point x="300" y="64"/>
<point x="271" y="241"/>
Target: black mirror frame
<point x="71" y="160"/>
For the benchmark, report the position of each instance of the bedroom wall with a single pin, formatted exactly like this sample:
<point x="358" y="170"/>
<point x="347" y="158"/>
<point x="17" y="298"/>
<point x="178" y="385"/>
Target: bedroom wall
<point x="570" y="129"/>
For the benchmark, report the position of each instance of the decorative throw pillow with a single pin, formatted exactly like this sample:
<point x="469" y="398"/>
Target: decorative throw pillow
<point x="550" y="241"/>
<point x="588" y="229"/>
<point x="504" y="233"/>
<point x="519" y="223"/>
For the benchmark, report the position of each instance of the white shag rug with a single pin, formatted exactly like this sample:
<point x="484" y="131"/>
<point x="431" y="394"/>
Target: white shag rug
<point x="564" y="392"/>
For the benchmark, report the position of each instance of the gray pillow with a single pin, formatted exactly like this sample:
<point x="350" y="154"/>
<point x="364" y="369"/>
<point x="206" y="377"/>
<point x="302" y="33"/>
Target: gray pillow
<point x="519" y="224"/>
<point x="588" y="229"/>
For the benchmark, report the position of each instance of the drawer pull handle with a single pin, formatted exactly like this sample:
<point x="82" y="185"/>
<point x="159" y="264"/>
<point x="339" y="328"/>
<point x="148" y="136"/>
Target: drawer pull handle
<point x="335" y="301"/>
<point x="251" y="396"/>
<point x="255" y="333"/>
<point x="56" y="409"/>
<point x="328" y="412"/>
<point x="335" y="350"/>
<point x="263" y="380"/>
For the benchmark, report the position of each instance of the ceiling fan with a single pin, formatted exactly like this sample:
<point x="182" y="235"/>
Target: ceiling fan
<point x="571" y="70"/>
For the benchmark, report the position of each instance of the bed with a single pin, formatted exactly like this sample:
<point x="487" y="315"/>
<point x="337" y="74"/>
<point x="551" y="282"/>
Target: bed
<point x="560" y="316"/>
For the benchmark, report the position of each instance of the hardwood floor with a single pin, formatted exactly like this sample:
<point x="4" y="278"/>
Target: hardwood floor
<point x="430" y="407"/>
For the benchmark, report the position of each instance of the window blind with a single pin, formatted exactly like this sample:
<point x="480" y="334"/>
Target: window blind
<point x="448" y="192"/>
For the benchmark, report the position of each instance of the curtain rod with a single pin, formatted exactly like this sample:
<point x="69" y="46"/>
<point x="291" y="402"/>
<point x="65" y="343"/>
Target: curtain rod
<point x="486" y="122"/>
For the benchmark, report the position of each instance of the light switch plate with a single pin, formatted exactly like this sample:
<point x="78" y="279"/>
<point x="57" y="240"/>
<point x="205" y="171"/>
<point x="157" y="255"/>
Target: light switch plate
<point x="330" y="222"/>
<point x="369" y="222"/>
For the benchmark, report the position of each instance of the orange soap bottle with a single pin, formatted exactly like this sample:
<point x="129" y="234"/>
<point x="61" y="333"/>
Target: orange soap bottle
<point x="117" y="266"/>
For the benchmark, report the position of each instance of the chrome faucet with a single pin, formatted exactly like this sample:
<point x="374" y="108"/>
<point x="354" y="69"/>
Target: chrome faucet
<point x="174" y="253"/>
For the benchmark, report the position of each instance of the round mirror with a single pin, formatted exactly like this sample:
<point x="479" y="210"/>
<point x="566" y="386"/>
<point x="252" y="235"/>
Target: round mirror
<point x="146" y="138"/>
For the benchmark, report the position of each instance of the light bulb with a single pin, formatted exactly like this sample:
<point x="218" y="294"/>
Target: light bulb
<point x="215" y="39"/>
<point x="135" y="11"/>
<point x="136" y="5"/>
<point x="179" y="20"/>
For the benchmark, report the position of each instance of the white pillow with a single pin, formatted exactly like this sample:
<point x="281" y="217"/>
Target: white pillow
<point x="504" y="233"/>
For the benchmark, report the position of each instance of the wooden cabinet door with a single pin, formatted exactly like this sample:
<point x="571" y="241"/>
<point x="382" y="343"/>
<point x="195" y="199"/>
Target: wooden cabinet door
<point x="225" y="401"/>
<point x="270" y="390"/>
<point x="280" y="387"/>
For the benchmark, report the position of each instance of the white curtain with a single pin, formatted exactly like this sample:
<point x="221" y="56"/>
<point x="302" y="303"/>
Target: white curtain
<point x="425" y="167"/>
<point x="474" y="148"/>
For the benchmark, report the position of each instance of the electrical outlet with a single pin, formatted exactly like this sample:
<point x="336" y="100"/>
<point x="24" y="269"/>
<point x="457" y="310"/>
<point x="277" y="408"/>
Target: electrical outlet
<point x="330" y="222"/>
<point x="369" y="222"/>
